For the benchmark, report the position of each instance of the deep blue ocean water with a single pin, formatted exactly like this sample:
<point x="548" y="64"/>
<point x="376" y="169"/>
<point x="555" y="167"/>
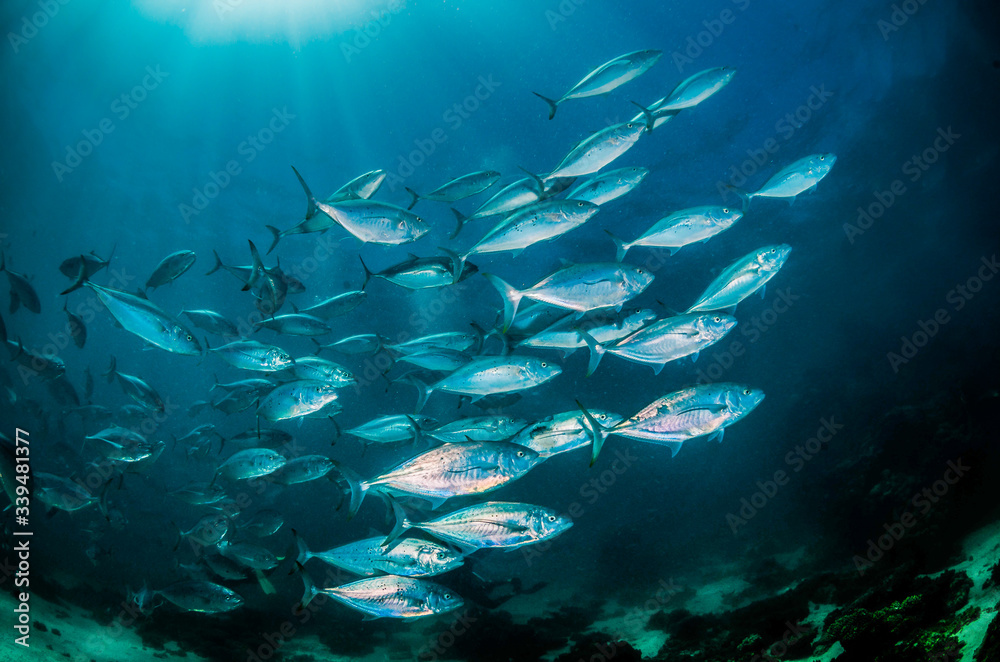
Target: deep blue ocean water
<point x="121" y="121"/>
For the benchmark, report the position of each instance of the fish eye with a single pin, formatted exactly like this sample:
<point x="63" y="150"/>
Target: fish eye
<point x="544" y="364"/>
<point x="746" y="391"/>
<point x="725" y="210"/>
<point x="629" y="125"/>
<point x="717" y="318"/>
<point x="520" y="453"/>
<point x="822" y="157"/>
<point x="447" y="596"/>
<point x="774" y="250"/>
<point x="189" y="337"/>
<point x="552" y="518"/>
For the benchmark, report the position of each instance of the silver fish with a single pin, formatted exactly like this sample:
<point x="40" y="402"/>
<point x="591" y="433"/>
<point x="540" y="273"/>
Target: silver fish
<point x="252" y="355"/>
<point x="437" y="360"/>
<point x="75" y="327"/>
<point x="365" y="343"/>
<point x="135" y="388"/>
<point x="459" y="341"/>
<point x="171" y="268"/>
<point x="391" y="429"/>
<point x="478" y="428"/>
<point x="140" y="317"/>
<point x="459" y="188"/>
<point x="682" y="228"/>
<point x="419" y="273"/>
<point x="91" y="264"/>
<point x="490" y="375"/>
<point x="682" y="415"/>
<point x="566" y="334"/>
<point x="579" y="287"/>
<point x="369" y="221"/>
<point x="361" y="187"/>
<point x="611" y="185"/>
<point x="338" y="305"/>
<point x="301" y="469"/>
<point x="694" y="89"/>
<point x="247" y="554"/>
<point x="21" y="290"/>
<point x="295" y="324"/>
<point x="490" y="524"/>
<point x="664" y="341"/>
<point x="475" y="467"/>
<point x="298" y="398"/>
<point x="389" y="596"/>
<point x="319" y="369"/>
<point x="211" y="321"/>
<point x="200" y="494"/>
<point x="799" y="177"/>
<point x="607" y="77"/>
<point x="410" y="557"/>
<point x="250" y="463"/>
<point x="207" y="531"/>
<point x="598" y="150"/>
<point x="542" y="221"/>
<point x="200" y="596"/>
<point x="561" y="433"/>
<point x="61" y="493"/>
<point x="512" y="197"/>
<point x="264" y="523"/>
<point x="742" y="278"/>
<point x="33" y="364"/>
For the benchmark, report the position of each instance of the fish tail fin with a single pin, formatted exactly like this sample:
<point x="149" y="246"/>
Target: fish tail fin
<point x="311" y="209"/>
<point x="415" y="429"/>
<point x="401" y="525"/>
<point x="257" y="266"/>
<point x="648" y="114"/>
<point x="81" y="278"/>
<point x="309" y="587"/>
<point x="300" y="544"/>
<point x="277" y="237"/>
<point x="553" y="105"/>
<point x="621" y="246"/>
<point x="218" y="263"/>
<point x="357" y="487"/>
<point x="457" y="262"/>
<point x="597" y="433"/>
<point x="596" y="351"/>
<point x="414" y="195"/>
<point x="423" y="391"/>
<point x="461" y="219"/>
<point x="539" y="182"/>
<point x="111" y="371"/>
<point x="511" y="299"/>
<point x="745" y="196"/>
<point x="481" y="336"/>
<point x="368" y="273"/>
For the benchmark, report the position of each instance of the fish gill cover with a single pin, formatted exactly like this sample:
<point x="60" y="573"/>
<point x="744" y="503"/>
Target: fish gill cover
<point x="521" y="331"/>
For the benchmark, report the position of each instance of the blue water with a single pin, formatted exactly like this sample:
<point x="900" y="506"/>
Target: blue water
<point x="122" y="119"/>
